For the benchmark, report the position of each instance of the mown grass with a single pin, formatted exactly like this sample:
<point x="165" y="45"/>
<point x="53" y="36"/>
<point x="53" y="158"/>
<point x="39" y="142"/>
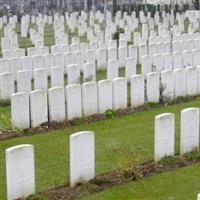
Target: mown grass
<point x="182" y="184"/>
<point x="114" y="139"/>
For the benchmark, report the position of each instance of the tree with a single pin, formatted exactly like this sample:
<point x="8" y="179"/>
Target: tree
<point x="196" y="4"/>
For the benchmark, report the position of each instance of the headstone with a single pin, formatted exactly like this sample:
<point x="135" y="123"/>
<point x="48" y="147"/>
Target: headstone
<point x="89" y="72"/>
<point x="146" y="65"/>
<point x="40" y="79"/>
<point x="167" y="85"/>
<point x="24" y="81"/>
<point x="73" y="101"/>
<point x="191" y="81"/>
<point x="179" y="83"/>
<point x="38" y="107"/>
<point x="48" y="63"/>
<point x="130" y="67"/>
<point x="189" y="130"/>
<point x="187" y="59"/>
<point x="57" y="77"/>
<point x="56" y="97"/>
<point x="82" y="157"/>
<point x="112" y="54"/>
<point x="101" y="58"/>
<point x="20" y="171"/>
<point x="164" y="136"/>
<point x="153" y="87"/>
<point x="112" y="69"/>
<point x="89" y="98"/>
<point x="137" y="91"/>
<point x="177" y="60"/>
<point x="7" y="86"/>
<point x="120" y="93"/>
<point x="104" y="95"/>
<point x="167" y="61"/>
<point x="20" y="111"/>
<point x="59" y="60"/>
<point x="26" y="63"/>
<point x="122" y="55"/>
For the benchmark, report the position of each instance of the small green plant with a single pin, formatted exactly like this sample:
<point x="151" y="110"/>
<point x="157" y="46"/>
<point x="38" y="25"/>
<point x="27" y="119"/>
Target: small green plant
<point x="110" y="114"/>
<point x="129" y="166"/>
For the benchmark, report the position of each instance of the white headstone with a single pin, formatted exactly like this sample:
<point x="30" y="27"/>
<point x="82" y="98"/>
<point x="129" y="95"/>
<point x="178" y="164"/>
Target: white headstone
<point x="20" y="171"/>
<point x="189" y="130"/>
<point x="24" y="81"/>
<point x="89" y="98"/>
<point x="73" y="101"/>
<point x="146" y="65"/>
<point x="153" y="87"/>
<point x="82" y="157"/>
<point x="38" y="107"/>
<point x="89" y="72"/>
<point x="167" y="84"/>
<point x="191" y="81"/>
<point x="179" y="83"/>
<point x="7" y="86"/>
<point x="57" y="77"/>
<point x="20" y="111"/>
<point x="56" y="96"/>
<point x="137" y="91"/>
<point x="112" y="69"/>
<point x="120" y="93"/>
<point x="164" y="136"/>
<point x="130" y="67"/>
<point x="104" y="95"/>
<point x="40" y="79"/>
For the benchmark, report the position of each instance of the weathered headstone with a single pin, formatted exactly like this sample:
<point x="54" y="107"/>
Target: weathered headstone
<point x="137" y="91"/>
<point x="164" y="136"/>
<point x="89" y="98"/>
<point x="104" y="95"/>
<point x="73" y="101"/>
<point x="189" y="130"/>
<point x="20" y="171"/>
<point x="20" y="112"/>
<point x="38" y="107"/>
<point x="56" y="96"/>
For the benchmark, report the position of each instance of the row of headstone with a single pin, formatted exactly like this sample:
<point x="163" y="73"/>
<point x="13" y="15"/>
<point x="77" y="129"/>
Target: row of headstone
<point x="72" y="102"/>
<point x="164" y="143"/>
<point x="92" y="98"/>
<point x="20" y="164"/>
<point x="168" y="61"/>
<point x="21" y="172"/>
<point x="167" y="84"/>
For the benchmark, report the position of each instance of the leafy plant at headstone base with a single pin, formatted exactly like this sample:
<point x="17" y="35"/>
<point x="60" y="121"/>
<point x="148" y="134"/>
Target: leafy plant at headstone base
<point x="129" y="163"/>
<point x="110" y="114"/>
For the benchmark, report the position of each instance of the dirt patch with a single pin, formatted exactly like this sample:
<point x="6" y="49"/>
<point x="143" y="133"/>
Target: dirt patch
<point x="5" y="135"/>
<point x="109" y="180"/>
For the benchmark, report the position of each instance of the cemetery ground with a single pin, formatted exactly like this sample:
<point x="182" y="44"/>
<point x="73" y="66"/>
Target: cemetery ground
<point x="119" y="142"/>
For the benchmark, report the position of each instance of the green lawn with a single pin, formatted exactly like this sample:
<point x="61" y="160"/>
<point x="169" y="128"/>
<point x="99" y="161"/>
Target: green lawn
<point x="183" y="184"/>
<point x="128" y="135"/>
<point x="5" y="118"/>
